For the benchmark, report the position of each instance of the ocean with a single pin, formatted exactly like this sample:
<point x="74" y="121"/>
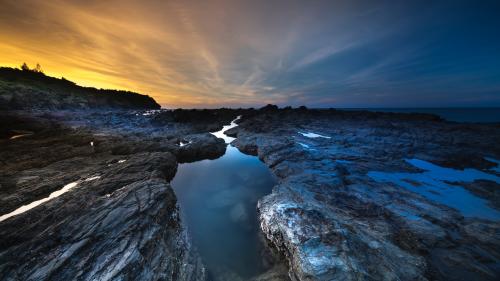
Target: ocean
<point x="470" y="115"/>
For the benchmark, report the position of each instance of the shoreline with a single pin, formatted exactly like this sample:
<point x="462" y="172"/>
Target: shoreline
<point x="328" y="175"/>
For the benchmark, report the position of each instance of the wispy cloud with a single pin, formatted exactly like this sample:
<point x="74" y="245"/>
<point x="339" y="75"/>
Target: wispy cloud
<point x="321" y="54"/>
<point x="247" y="53"/>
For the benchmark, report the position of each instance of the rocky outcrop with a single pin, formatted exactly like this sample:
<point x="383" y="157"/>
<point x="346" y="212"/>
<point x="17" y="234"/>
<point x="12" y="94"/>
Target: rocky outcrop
<point x="124" y="225"/>
<point x="119" y="220"/>
<point x="334" y="222"/>
<point x="327" y="215"/>
<point x="29" y="90"/>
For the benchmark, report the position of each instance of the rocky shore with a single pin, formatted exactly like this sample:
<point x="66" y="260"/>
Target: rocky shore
<point x="335" y="221"/>
<point x="332" y="214"/>
<point x="120" y="220"/>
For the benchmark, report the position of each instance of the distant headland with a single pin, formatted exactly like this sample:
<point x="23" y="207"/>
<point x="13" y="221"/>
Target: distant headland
<point x="29" y="88"/>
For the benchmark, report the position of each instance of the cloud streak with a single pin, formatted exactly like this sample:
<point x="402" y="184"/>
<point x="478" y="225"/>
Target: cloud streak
<point x="248" y="53"/>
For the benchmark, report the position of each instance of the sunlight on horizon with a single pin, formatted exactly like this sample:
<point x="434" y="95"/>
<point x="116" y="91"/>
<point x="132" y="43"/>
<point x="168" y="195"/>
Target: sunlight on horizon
<point x="248" y="53"/>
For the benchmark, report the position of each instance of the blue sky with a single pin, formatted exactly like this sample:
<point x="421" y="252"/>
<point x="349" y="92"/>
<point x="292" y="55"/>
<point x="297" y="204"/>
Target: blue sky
<point x="249" y="53"/>
<point x="401" y="55"/>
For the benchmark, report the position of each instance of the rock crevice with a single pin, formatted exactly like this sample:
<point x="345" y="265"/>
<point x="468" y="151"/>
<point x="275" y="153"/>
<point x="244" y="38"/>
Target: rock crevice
<point x="333" y="222"/>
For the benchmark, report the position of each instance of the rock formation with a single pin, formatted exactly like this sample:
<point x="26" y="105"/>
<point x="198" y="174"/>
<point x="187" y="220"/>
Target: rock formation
<point x="329" y="215"/>
<point x="334" y="222"/>
<point x="120" y="221"/>
<point x="33" y="90"/>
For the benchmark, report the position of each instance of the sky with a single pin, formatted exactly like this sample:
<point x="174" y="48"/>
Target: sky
<point x="214" y="53"/>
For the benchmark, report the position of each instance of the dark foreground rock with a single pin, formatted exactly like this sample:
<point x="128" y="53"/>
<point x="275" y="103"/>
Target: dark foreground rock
<point x="122" y="226"/>
<point x="335" y="222"/>
<point x="120" y="220"/>
<point x="328" y="216"/>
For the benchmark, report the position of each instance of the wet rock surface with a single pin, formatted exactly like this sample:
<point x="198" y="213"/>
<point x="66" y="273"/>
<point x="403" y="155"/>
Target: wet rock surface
<point x="327" y="216"/>
<point x="120" y="220"/>
<point x="334" y="222"/>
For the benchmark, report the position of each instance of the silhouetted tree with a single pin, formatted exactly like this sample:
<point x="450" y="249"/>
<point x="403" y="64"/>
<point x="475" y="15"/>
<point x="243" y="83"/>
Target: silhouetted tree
<point x="38" y="68"/>
<point x="25" y="67"/>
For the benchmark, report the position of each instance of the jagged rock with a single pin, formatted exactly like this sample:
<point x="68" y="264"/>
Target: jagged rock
<point x="120" y="220"/>
<point x="201" y="146"/>
<point x="333" y="222"/>
<point x="326" y="216"/>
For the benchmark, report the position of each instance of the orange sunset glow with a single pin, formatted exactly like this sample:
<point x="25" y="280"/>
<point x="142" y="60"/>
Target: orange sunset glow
<point x="249" y="140"/>
<point x="224" y="53"/>
<point x="157" y="50"/>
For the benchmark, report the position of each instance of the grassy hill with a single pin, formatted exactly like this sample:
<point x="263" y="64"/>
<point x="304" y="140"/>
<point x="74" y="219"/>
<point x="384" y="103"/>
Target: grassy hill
<point x="31" y="89"/>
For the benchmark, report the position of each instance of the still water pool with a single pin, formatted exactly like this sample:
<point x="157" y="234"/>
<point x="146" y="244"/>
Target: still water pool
<point x="218" y="200"/>
<point x="443" y="185"/>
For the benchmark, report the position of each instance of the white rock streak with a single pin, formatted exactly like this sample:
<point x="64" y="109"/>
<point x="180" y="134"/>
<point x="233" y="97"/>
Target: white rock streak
<point x="181" y="144"/>
<point x="53" y="195"/>
<point x="33" y="204"/>
<point x="313" y="135"/>
<point x="19" y="136"/>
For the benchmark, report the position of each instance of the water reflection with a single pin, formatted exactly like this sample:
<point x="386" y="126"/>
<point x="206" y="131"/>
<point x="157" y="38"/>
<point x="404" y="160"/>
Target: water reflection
<point x="220" y="134"/>
<point x="218" y="200"/>
<point x="435" y="183"/>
